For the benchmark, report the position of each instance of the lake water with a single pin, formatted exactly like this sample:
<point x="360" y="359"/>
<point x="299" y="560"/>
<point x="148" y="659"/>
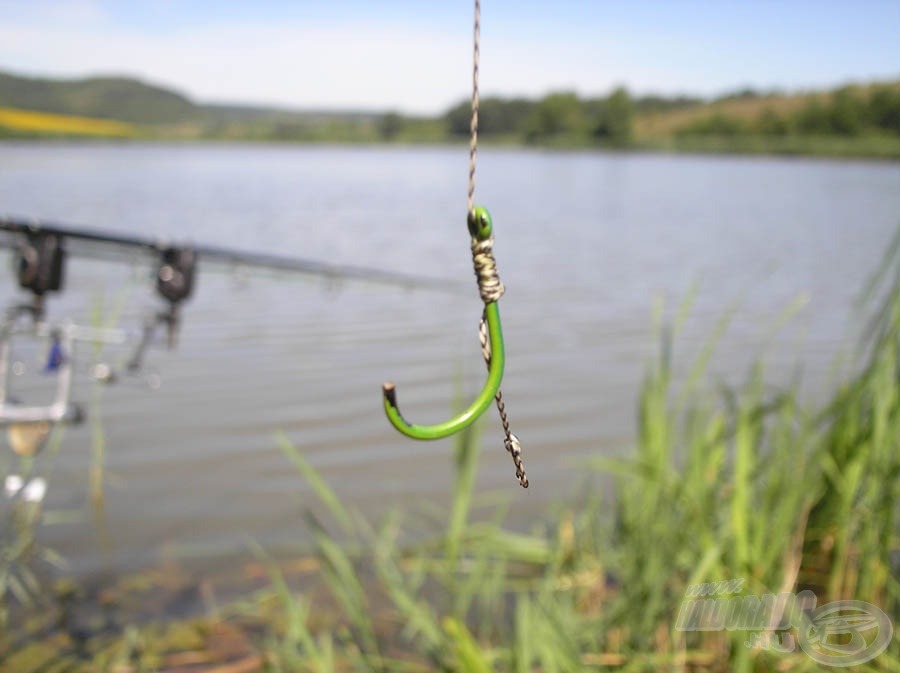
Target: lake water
<point x="585" y="243"/>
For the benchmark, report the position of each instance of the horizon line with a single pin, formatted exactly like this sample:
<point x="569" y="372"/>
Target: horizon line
<point x="261" y="105"/>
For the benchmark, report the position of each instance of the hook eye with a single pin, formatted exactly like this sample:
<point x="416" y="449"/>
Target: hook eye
<point x="480" y="224"/>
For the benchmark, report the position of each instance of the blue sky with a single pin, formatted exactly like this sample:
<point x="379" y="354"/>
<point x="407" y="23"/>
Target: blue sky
<point x="416" y="56"/>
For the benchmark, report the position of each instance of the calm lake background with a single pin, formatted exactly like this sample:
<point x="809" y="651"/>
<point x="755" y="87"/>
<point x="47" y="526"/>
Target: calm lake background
<point x="585" y="243"/>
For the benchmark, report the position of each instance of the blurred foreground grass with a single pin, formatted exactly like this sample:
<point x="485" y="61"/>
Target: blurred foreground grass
<point x="748" y="484"/>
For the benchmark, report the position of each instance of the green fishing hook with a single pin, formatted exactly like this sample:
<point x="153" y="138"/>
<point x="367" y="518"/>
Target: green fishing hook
<point x="481" y="228"/>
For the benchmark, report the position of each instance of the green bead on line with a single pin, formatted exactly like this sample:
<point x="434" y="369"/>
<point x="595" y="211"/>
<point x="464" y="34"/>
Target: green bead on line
<point x="481" y="228"/>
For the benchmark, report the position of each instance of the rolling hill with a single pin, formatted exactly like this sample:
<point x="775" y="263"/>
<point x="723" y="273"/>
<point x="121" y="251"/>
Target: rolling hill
<point x="119" y="98"/>
<point x="131" y="100"/>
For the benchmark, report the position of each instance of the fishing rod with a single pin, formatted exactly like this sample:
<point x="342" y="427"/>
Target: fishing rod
<point x="41" y="250"/>
<point x="222" y="255"/>
<point x="43" y="247"/>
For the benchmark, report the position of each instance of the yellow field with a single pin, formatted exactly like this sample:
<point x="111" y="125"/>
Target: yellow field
<point x="43" y="122"/>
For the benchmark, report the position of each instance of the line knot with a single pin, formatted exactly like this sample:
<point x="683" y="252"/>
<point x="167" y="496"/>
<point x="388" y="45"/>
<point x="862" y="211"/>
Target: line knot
<point x="489" y="285"/>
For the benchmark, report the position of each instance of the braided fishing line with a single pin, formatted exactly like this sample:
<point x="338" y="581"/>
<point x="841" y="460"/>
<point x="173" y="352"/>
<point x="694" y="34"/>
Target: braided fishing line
<point x="489" y="285"/>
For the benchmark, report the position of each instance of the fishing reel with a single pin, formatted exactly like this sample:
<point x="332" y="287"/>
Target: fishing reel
<point x="40" y="267"/>
<point x="175" y="275"/>
<point x="175" y="283"/>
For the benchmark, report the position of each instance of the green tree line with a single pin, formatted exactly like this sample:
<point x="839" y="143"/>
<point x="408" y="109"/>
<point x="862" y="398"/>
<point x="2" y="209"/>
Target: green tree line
<point x="564" y="118"/>
<point x="847" y="112"/>
<point x="557" y="117"/>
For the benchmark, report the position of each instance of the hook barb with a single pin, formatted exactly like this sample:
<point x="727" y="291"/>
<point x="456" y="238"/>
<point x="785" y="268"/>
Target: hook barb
<point x="478" y="406"/>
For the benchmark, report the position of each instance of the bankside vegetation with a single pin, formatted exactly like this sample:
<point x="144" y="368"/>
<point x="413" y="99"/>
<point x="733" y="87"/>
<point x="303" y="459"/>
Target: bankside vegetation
<point x="850" y="121"/>
<point x="747" y="492"/>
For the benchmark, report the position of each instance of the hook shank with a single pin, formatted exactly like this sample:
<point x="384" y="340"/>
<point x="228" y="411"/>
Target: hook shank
<point x="478" y="406"/>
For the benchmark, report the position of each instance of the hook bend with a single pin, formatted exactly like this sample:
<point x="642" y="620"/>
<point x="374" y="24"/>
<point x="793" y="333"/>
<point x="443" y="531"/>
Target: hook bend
<point x="478" y="406"/>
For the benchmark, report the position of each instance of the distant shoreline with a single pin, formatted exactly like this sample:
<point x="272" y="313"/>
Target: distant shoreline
<point x="853" y="121"/>
<point x="880" y="149"/>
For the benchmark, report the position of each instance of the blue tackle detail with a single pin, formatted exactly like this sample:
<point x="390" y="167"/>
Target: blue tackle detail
<point x="56" y="357"/>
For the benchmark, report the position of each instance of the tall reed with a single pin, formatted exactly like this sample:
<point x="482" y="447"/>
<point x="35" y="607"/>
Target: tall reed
<point x="749" y="484"/>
